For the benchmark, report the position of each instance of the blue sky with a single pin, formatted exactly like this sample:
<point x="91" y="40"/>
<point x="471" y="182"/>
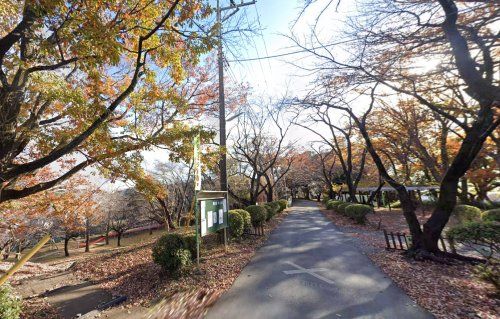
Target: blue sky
<point x="268" y="77"/>
<point x="271" y="77"/>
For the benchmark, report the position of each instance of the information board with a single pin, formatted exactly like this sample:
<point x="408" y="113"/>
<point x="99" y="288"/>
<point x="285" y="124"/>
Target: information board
<point x="213" y="210"/>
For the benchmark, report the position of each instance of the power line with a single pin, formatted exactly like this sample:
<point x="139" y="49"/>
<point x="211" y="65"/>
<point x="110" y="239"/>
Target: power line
<point x="291" y="53"/>
<point x="257" y="51"/>
<point x="262" y="36"/>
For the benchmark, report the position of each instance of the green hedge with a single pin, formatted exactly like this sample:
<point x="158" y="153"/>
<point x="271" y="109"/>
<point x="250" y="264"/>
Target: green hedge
<point x="10" y="304"/>
<point x="486" y="233"/>
<point x="332" y="204"/>
<point x="481" y="232"/>
<point x="466" y="213"/>
<point x="247" y="220"/>
<point x="236" y="224"/>
<point x="258" y="214"/>
<point x="341" y="208"/>
<point x="396" y="204"/>
<point x="358" y="212"/>
<point x="189" y="240"/>
<point x="173" y="252"/>
<point x="492" y="215"/>
<point x="271" y="211"/>
<point x="276" y="206"/>
<point x="283" y="204"/>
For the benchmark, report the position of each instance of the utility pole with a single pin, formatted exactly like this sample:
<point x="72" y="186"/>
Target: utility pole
<point x="222" y="106"/>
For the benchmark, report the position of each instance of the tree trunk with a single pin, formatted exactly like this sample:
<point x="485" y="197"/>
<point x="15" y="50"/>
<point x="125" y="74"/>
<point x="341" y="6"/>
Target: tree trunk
<point x="306" y="193"/>
<point x="66" y="251"/>
<point x="464" y="191"/>
<point x="406" y="203"/>
<point x="331" y="192"/>
<point x="269" y="194"/>
<point x="448" y="190"/>
<point x="87" y="242"/>
<point x="351" y="189"/>
<point x="106" y="235"/>
<point x="375" y="193"/>
<point x="87" y="236"/>
<point x="166" y="213"/>
<point x="119" y="239"/>
<point x="270" y="189"/>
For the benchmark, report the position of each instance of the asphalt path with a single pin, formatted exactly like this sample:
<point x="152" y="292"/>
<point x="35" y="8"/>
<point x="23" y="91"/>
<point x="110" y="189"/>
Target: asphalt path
<point x="310" y="269"/>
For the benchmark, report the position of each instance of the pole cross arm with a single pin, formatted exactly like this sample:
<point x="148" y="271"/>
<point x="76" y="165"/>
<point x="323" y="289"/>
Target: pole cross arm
<point x="237" y="6"/>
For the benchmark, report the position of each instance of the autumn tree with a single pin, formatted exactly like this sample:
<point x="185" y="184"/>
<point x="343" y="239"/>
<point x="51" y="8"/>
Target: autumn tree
<point x="412" y="140"/>
<point x="92" y="81"/>
<point x="67" y="211"/>
<point x="261" y="152"/>
<point x="342" y="140"/>
<point x="169" y="190"/>
<point x="304" y="175"/>
<point x="393" y="37"/>
<point x="483" y="175"/>
<point x="127" y="209"/>
<point x="330" y="172"/>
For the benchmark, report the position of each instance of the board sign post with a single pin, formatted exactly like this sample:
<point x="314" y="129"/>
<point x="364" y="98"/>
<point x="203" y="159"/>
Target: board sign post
<point x="197" y="188"/>
<point x="197" y="162"/>
<point x="210" y="207"/>
<point x="213" y="208"/>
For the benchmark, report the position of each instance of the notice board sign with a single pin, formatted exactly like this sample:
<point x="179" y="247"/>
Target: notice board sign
<point x="213" y="208"/>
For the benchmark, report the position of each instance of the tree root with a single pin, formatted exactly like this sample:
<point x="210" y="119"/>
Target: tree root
<point x="468" y="259"/>
<point x="422" y="255"/>
<point x="441" y="257"/>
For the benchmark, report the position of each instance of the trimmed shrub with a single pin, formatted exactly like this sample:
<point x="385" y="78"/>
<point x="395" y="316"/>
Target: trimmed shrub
<point x="476" y="232"/>
<point x="486" y="233"/>
<point x="489" y="272"/>
<point x="283" y="204"/>
<point x="332" y="204"/>
<point x="341" y="208"/>
<point x="492" y="215"/>
<point x="247" y="220"/>
<point x="173" y="252"/>
<point x="276" y="206"/>
<point x="358" y="212"/>
<point x="466" y="213"/>
<point x="10" y="304"/>
<point x="190" y="243"/>
<point x="429" y="201"/>
<point x="488" y="205"/>
<point x="270" y="211"/>
<point x="258" y="214"/>
<point x="396" y="204"/>
<point x="236" y="224"/>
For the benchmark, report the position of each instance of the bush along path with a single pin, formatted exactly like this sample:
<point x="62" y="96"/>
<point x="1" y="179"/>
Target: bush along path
<point x="309" y="269"/>
<point x="448" y="291"/>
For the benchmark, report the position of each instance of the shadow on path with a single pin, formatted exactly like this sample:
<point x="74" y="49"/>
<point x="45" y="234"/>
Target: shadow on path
<point x="309" y="269"/>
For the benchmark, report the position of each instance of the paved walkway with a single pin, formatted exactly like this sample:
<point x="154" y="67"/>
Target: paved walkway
<point x="309" y="269"/>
